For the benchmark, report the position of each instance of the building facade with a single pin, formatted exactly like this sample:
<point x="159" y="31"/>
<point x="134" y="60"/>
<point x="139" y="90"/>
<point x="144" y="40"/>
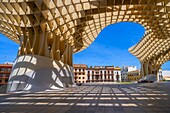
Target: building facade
<point x="133" y="75"/>
<point x="164" y="74"/>
<point x="125" y="70"/>
<point x="103" y="74"/>
<point x="80" y="75"/>
<point x="5" y="70"/>
<point x="83" y="74"/>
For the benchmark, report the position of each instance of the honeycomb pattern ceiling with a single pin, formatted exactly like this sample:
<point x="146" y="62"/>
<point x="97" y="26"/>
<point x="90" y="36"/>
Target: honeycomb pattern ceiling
<point x="80" y="21"/>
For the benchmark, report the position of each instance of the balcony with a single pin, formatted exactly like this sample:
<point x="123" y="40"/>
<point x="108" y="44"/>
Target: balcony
<point x="4" y="77"/>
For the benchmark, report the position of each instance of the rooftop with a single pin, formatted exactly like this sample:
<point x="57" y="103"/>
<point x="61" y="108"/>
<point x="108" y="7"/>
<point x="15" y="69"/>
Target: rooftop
<point x="79" y="65"/>
<point x="6" y="65"/>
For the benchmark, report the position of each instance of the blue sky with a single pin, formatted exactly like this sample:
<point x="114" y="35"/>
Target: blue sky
<point x="8" y="49"/>
<point x="109" y="48"/>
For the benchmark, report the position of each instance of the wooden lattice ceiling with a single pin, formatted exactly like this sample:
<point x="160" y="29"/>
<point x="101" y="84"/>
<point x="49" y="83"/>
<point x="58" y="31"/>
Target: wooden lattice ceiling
<point x="80" y="21"/>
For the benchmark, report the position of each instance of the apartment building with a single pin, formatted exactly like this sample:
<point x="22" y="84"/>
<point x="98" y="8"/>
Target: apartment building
<point x="133" y="75"/>
<point x="80" y="75"/>
<point x="5" y="70"/>
<point x="83" y="74"/>
<point x="127" y="70"/>
<point x="103" y="74"/>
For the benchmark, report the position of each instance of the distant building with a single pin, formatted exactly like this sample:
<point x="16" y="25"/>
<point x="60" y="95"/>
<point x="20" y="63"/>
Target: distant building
<point x="159" y="75"/>
<point x="129" y="68"/>
<point x="125" y="70"/>
<point x="83" y="74"/>
<point x="103" y="74"/>
<point x="166" y="74"/>
<point x="133" y="75"/>
<point x="80" y="75"/>
<point x="5" y="70"/>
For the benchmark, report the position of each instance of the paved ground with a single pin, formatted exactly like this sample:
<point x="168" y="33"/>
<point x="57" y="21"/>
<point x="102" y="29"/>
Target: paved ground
<point x="92" y="98"/>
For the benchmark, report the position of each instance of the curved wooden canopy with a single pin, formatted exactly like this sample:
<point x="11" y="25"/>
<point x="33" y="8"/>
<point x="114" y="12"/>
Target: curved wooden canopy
<point x="80" y="21"/>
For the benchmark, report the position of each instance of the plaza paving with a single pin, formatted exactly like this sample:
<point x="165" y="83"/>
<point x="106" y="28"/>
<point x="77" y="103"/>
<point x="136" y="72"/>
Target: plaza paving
<point x="92" y="98"/>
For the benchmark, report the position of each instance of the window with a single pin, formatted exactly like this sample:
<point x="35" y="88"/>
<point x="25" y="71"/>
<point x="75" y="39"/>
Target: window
<point x="83" y="77"/>
<point x="9" y="69"/>
<point x="88" y="77"/>
<point x="88" y="72"/>
<point x="7" y="75"/>
<point x="2" y="69"/>
<point x="6" y="80"/>
<point x="79" y="77"/>
<point x="79" y="70"/>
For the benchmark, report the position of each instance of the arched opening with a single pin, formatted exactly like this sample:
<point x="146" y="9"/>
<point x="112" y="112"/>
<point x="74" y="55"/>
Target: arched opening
<point x="111" y="46"/>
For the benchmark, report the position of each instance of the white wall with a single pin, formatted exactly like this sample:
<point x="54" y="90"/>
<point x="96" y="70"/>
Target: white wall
<point x="165" y="73"/>
<point x="131" y="68"/>
<point x="115" y="73"/>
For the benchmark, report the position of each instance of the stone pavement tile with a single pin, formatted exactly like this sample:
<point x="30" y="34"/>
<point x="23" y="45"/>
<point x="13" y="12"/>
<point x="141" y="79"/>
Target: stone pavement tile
<point x="95" y="98"/>
<point x="119" y="112"/>
<point x="150" y="112"/>
<point x="76" y="110"/>
<point x="100" y="109"/>
<point x="161" y="112"/>
<point x="89" y="112"/>
<point x="133" y="110"/>
<point x="157" y="109"/>
<point x="167" y="110"/>
<point x="90" y="109"/>
<point x="109" y="110"/>
<point x="57" y="109"/>
<point x="118" y="108"/>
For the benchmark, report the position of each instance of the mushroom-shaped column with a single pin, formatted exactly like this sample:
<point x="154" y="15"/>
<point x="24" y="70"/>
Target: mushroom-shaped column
<point x="44" y="62"/>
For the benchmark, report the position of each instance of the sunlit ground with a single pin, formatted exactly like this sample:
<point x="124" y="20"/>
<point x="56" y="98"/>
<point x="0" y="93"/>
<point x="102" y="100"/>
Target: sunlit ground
<point x="92" y="98"/>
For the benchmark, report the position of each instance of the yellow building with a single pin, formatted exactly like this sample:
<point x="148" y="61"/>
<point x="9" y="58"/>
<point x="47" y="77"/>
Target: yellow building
<point x="134" y="75"/>
<point x="80" y="75"/>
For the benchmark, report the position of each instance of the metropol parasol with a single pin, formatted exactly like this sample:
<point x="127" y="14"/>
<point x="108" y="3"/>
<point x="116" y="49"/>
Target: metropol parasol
<point x="50" y="31"/>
